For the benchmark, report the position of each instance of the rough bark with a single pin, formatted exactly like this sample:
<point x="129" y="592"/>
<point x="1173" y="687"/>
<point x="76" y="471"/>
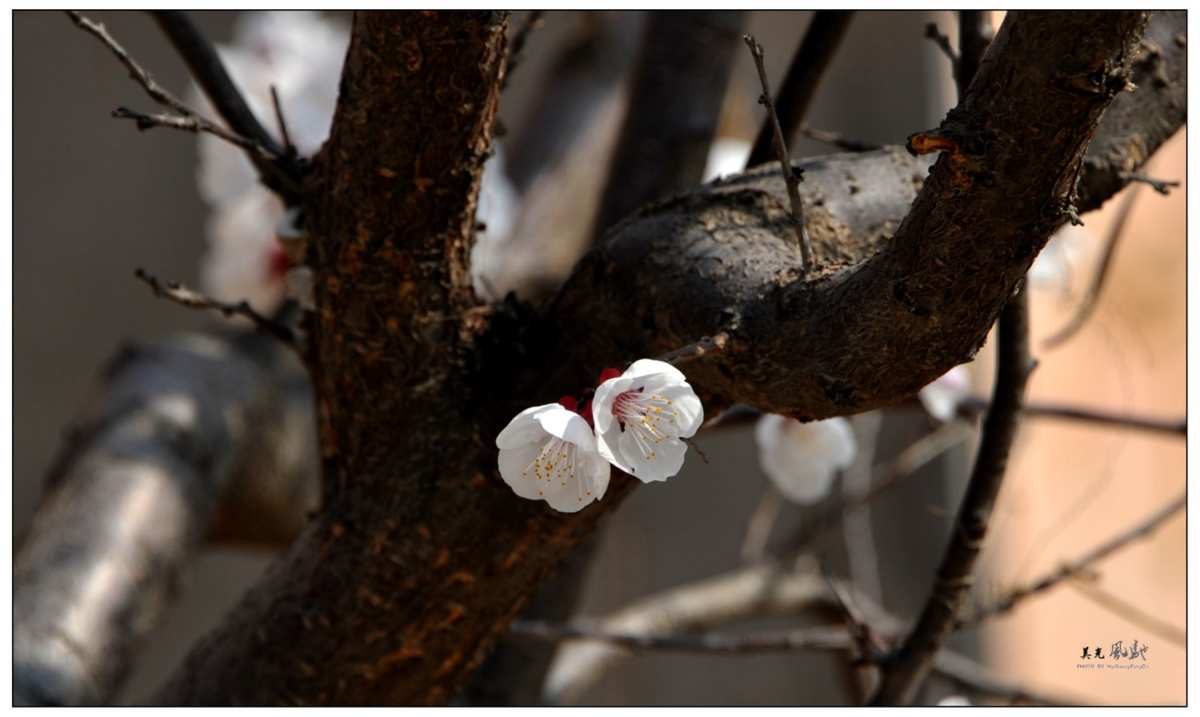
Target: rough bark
<point x="890" y="290"/>
<point x="420" y="555"/>
<point x="1140" y="121"/>
<point x="132" y="495"/>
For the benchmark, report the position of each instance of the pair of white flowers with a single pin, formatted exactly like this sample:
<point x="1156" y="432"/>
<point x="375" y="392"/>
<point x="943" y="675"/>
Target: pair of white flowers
<point x="636" y="421"/>
<point x="803" y="459"/>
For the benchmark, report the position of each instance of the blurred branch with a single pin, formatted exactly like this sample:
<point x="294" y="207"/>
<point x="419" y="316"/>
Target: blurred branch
<point x="1162" y="186"/>
<point x="281" y="171"/>
<point x="131" y="495"/>
<point x="815" y="638"/>
<point x="192" y="299"/>
<point x="836" y="139"/>
<point x="1130" y="612"/>
<point x="662" y="620"/>
<point x="1090" y="298"/>
<point x="942" y="40"/>
<point x="1077" y="566"/>
<point x="790" y="178"/>
<point x="974" y="36"/>
<point x="516" y="50"/>
<point x="1066" y="412"/>
<point x="583" y="77"/>
<point x="816" y="51"/>
<point x="675" y="101"/>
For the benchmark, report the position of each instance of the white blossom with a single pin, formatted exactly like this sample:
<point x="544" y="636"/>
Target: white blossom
<point x="954" y="701"/>
<point x="942" y="396"/>
<point x="497" y="210"/>
<point x="641" y="417"/>
<point x="801" y="459"/>
<point x="300" y="53"/>
<point x="549" y="453"/>
<point x="727" y="155"/>
<point x="1055" y="265"/>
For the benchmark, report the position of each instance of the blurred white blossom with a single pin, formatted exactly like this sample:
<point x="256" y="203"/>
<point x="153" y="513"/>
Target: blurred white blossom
<point x="802" y="459"/>
<point x="727" y="155"/>
<point x="942" y="396"/>
<point x="300" y="54"/>
<point x="1055" y="266"/>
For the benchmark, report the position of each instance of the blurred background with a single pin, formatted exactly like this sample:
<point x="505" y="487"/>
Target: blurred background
<point x="94" y="198"/>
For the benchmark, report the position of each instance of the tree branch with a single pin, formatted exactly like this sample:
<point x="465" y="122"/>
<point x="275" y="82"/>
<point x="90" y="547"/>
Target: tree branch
<point x="383" y="560"/>
<point x="1141" y="120"/>
<point x="903" y="675"/>
<point x="192" y="299"/>
<point x="675" y="103"/>
<point x="380" y="599"/>
<point x="790" y="178"/>
<point x="1087" y="414"/>
<point x="1088" y="304"/>
<point x="1077" y="566"/>
<point x="276" y="172"/>
<point x="697" y="263"/>
<point x="816" y="51"/>
<point x="661" y="622"/>
<point x="131" y="496"/>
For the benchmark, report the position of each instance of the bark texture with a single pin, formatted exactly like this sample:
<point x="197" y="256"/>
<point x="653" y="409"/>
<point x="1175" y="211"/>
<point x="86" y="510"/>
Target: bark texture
<point x="1141" y="120"/>
<point x="420" y="555"/>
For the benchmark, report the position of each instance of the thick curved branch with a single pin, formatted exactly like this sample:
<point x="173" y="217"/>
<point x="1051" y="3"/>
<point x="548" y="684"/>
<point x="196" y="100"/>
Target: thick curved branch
<point x="132" y="495"/>
<point x="918" y="291"/>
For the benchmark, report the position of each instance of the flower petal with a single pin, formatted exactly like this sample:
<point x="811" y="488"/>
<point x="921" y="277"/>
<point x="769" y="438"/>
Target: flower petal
<point x="513" y="464"/>
<point x="602" y="402"/>
<point x="567" y="425"/>
<point x="690" y="411"/>
<point x="663" y="461"/>
<point x="524" y="428"/>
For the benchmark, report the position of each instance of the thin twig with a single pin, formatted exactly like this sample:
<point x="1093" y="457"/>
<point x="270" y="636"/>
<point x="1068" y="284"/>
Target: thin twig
<point x="803" y="77"/>
<point x="195" y="300"/>
<point x="516" y="52"/>
<point x="943" y="42"/>
<point x="279" y="171"/>
<point x="185" y="123"/>
<point x="758" y="527"/>
<point x="658" y="622"/>
<point x="781" y="151"/>
<point x="904" y="674"/>
<point x="909" y="461"/>
<point x="288" y="148"/>
<point x="837" y="140"/>
<point x="1077" y="566"/>
<point x="691" y="352"/>
<point x="1088" y="305"/>
<point x="188" y="119"/>
<point x="972" y="406"/>
<point x="1174" y="426"/>
<point x="1127" y="610"/>
<point x="1162" y="186"/>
